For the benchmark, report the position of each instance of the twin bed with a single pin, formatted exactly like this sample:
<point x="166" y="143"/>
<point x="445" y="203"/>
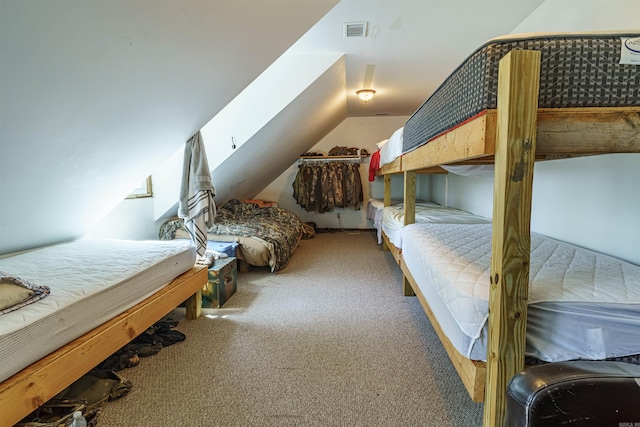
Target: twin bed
<point x="102" y="294"/>
<point x="266" y="236"/>
<point x="77" y="303"/>
<point x="496" y="293"/>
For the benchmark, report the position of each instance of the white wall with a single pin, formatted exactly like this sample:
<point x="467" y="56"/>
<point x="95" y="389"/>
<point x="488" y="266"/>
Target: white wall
<point x="582" y="15"/>
<point x="132" y="219"/>
<point x="361" y="132"/>
<point x="592" y="202"/>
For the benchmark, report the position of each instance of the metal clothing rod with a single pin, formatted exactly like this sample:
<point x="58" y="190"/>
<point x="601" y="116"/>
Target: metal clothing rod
<point x="354" y="159"/>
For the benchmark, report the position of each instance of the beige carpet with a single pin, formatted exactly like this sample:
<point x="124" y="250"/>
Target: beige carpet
<point x="328" y="341"/>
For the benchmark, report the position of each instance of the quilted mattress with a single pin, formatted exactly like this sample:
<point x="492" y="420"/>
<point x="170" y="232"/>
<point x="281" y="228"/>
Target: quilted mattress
<point x="375" y="208"/>
<point x="392" y="221"/>
<point x="578" y="70"/>
<point x="582" y="304"/>
<point x="91" y="281"/>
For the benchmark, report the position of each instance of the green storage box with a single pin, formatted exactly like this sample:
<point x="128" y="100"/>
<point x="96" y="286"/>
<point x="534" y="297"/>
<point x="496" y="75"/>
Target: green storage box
<point x="221" y="284"/>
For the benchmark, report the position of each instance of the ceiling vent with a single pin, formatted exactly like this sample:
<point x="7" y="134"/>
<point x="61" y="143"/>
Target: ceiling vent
<point x="355" y="29"/>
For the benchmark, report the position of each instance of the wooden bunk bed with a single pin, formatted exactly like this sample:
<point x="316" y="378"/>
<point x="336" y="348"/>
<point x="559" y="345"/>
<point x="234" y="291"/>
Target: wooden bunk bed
<point x="28" y="389"/>
<point x="512" y="137"/>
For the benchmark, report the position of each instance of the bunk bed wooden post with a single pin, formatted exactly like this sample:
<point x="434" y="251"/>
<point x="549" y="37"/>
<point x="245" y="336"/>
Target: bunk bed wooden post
<point x="387" y="190"/>
<point x="518" y="85"/>
<point x="409" y="217"/>
<point x="409" y="197"/>
<point x="387" y="202"/>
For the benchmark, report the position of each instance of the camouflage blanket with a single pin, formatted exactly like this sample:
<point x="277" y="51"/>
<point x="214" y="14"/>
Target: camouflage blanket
<point x="279" y="227"/>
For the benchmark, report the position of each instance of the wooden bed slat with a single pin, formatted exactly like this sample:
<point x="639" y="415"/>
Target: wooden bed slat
<point x="389" y="246"/>
<point x="471" y="372"/>
<point x="561" y="133"/>
<point x="391" y="168"/>
<point x="27" y="390"/>
<point x="472" y="140"/>
<point x="588" y="131"/>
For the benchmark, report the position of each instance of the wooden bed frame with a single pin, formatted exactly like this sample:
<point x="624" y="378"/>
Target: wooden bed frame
<point x="512" y="137"/>
<point x="27" y="390"/>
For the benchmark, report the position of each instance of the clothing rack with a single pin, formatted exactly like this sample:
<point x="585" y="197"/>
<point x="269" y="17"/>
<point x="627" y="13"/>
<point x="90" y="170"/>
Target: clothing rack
<point x="322" y="159"/>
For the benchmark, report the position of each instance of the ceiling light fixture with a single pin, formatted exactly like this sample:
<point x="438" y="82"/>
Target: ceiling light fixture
<point x="365" y="94"/>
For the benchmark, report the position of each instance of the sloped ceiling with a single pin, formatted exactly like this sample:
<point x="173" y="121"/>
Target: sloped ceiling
<point x="95" y="94"/>
<point x="278" y="144"/>
<point x="412" y="46"/>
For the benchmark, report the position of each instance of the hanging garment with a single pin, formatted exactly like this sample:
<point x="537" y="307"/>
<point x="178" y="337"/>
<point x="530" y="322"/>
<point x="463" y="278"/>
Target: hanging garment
<point x="374" y="165"/>
<point x="320" y="187"/>
<point x="196" y="205"/>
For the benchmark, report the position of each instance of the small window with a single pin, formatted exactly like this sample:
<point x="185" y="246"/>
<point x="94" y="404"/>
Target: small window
<point x="144" y="190"/>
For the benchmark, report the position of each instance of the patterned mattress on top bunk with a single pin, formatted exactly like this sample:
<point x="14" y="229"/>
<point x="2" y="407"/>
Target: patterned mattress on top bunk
<point x="582" y="304"/>
<point x="577" y="70"/>
<point x="90" y="282"/>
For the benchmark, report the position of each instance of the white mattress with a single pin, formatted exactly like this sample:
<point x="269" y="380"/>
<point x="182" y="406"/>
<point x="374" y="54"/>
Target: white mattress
<point x="373" y="207"/>
<point x="374" y="213"/>
<point x="91" y="282"/>
<point x="582" y="304"/>
<point x="426" y="212"/>
<point x="392" y="149"/>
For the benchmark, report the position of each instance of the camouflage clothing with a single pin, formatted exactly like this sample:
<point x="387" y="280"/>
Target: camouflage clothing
<point x="321" y="187"/>
<point x="281" y="228"/>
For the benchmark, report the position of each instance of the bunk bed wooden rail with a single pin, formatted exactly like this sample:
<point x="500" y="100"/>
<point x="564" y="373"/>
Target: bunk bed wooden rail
<point x="561" y="133"/>
<point x="27" y="390"/>
<point x="512" y="137"/>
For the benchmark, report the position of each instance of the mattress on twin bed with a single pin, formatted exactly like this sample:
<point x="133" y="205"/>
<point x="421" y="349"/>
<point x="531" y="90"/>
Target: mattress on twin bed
<point x="374" y="213"/>
<point x="577" y="70"/>
<point x="392" y="221"/>
<point x="582" y="304"/>
<point x="91" y="281"/>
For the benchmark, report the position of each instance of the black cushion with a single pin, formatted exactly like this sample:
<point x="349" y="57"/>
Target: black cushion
<point x="579" y="393"/>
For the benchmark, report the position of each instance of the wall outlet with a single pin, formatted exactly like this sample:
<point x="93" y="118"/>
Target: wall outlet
<point x="338" y="213"/>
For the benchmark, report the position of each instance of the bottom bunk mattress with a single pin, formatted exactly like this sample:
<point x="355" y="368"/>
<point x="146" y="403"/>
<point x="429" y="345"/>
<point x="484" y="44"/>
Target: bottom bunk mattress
<point x="374" y="213"/>
<point x="392" y="221"/>
<point x="90" y="282"/>
<point x="582" y="304"/>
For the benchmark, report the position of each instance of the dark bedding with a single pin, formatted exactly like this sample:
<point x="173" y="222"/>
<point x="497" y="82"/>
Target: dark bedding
<point x="279" y="227"/>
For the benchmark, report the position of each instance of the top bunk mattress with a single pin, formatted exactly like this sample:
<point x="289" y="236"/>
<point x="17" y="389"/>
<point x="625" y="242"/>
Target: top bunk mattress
<point x="90" y="282"/>
<point x="576" y="70"/>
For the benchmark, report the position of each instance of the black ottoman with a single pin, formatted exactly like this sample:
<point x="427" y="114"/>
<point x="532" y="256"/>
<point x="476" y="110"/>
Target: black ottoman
<point x="580" y="393"/>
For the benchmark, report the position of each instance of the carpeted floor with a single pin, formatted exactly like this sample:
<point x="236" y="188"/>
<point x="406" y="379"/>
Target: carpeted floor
<point x="328" y="341"/>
